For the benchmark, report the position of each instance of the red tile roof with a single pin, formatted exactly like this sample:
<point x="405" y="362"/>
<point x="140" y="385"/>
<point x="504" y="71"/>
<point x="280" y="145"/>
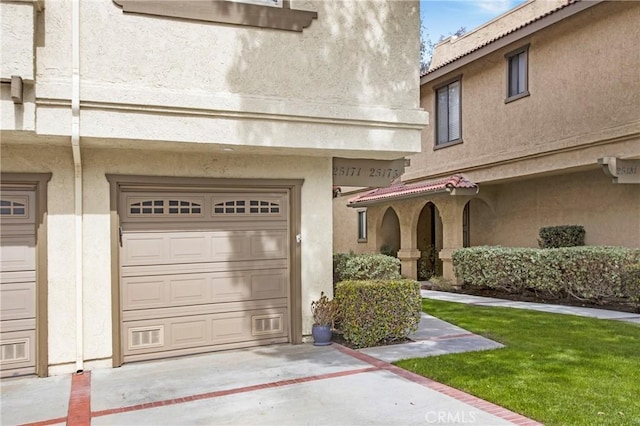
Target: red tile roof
<point x="499" y="36"/>
<point x="402" y="190"/>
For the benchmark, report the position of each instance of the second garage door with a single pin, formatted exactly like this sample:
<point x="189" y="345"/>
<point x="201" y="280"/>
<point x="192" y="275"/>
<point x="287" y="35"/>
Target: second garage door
<point x="202" y="271"/>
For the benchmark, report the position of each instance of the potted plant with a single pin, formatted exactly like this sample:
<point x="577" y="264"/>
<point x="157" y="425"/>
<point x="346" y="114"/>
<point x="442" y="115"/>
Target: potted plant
<point x="324" y="313"/>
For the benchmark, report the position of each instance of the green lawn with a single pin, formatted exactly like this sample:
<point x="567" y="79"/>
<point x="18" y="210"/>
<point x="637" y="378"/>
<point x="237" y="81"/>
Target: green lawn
<point x="556" y="369"/>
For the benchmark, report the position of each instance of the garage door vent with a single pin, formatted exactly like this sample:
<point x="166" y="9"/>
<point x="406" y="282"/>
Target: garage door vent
<point x="147" y="337"/>
<point x="14" y="351"/>
<point x="267" y="324"/>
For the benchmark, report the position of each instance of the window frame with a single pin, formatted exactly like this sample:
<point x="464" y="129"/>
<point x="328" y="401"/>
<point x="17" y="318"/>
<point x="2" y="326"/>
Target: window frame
<point x="459" y="140"/>
<point x="509" y="57"/>
<point x="363" y="233"/>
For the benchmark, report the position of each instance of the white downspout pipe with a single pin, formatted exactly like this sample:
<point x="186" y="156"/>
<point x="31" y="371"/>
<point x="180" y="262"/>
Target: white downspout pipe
<point x="77" y="162"/>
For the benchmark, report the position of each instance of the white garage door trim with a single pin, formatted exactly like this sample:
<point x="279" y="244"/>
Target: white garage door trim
<point x="23" y="275"/>
<point x="287" y="319"/>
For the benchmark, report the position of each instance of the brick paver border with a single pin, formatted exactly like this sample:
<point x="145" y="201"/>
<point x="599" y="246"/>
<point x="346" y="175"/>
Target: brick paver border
<point x="80" y="414"/>
<point x="459" y="395"/>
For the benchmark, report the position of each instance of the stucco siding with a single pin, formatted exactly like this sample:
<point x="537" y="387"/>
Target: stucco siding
<point x="577" y="98"/>
<point x="516" y="211"/>
<point x="345" y="222"/>
<point x="239" y="85"/>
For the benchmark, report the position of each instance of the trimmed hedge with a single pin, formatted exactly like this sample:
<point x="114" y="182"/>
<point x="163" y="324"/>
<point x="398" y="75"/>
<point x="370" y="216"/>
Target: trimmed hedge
<point x="375" y="311"/>
<point x="561" y="236"/>
<point x="339" y="263"/>
<point x="631" y="284"/>
<point x="349" y="266"/>
<point x="589" y="273"/>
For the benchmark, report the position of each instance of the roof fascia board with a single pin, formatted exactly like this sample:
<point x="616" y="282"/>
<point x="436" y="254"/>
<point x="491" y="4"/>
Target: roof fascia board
<point x="510" y="38"/>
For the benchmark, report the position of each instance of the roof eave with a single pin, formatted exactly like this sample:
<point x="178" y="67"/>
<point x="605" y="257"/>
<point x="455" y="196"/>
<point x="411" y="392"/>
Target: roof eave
<point x="508" y="39"/>
<point x="398" y="198"/>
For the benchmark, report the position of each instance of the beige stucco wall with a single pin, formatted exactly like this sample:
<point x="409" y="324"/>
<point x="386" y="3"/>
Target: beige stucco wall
<point x="17" y="21"/>
<point x="316" y="228"/>
<point x="236" y="85"/>
<point x="515" y="212"/>
<point x="345" y="223"/>
<point x="584" y="99"/>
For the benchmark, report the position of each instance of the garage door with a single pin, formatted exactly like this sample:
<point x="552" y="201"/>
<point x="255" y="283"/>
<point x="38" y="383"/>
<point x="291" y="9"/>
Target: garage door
<point x="17" y="283"/>
<point x="202" y="271"/>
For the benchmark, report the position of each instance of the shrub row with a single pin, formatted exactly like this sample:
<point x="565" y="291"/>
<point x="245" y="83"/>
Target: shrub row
<point x="561" y="236"/>
<point x="374" y="311"/>
<point x="587" y="273"/>
<point x="350" y="266"/>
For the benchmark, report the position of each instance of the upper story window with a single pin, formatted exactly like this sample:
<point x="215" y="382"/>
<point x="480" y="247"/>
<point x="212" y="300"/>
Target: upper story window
<point x="449" y="113"/>
<point x="517" y="74"/>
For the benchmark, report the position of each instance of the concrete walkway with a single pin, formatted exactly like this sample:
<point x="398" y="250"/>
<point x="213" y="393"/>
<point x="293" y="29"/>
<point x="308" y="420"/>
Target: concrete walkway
<point x="279" y="385"/>
<point x="556" y="309"/>
<point x="272" y="385"/>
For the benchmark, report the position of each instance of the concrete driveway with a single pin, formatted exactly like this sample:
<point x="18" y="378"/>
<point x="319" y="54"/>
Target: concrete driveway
<point x="274" y="385"/>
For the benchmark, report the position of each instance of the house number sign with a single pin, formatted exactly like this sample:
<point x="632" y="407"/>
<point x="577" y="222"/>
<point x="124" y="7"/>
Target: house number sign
<point x="622" y="171"/>
<point x="363" y="172"/>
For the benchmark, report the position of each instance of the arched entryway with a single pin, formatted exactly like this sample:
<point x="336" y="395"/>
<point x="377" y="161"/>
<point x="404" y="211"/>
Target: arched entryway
<point x="429" y="242"/>
<point x="388" y="240"/>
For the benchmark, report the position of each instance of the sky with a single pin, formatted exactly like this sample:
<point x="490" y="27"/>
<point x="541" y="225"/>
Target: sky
<point x="443" y="17"/>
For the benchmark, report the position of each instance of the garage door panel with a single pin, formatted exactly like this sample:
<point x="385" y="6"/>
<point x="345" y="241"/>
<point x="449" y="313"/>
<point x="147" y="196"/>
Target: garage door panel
<point x="143" y="249"/>
<point x="216" y="246"/>
<point x="272" y="244"/>
<point x="193" y="289"/>
<point x="189" y="290"/>
<point x="269" y="284"/>
<point x="189" y="248"/>
<point x="227" y="246"/>
<point x="18" y="253"/>
<point x="170" y="334"/>
<point x="191" y="310"/>
<point x="26" y="324"/>
<point x="189" y="333"/>
<point x="144" y="293"/>
<point x="192" y="268"/>
<point x="17" y="301"/>
<point x="17" y="277"/>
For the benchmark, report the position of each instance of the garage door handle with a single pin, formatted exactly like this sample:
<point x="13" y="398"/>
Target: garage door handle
<point x="120" y="235"/>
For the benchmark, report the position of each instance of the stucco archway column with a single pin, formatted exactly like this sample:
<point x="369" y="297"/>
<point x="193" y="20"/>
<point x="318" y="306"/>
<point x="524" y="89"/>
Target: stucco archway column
<point x="451" y="209"/>
<point x="408" y="253"/>
<point x="409" y="261"/>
